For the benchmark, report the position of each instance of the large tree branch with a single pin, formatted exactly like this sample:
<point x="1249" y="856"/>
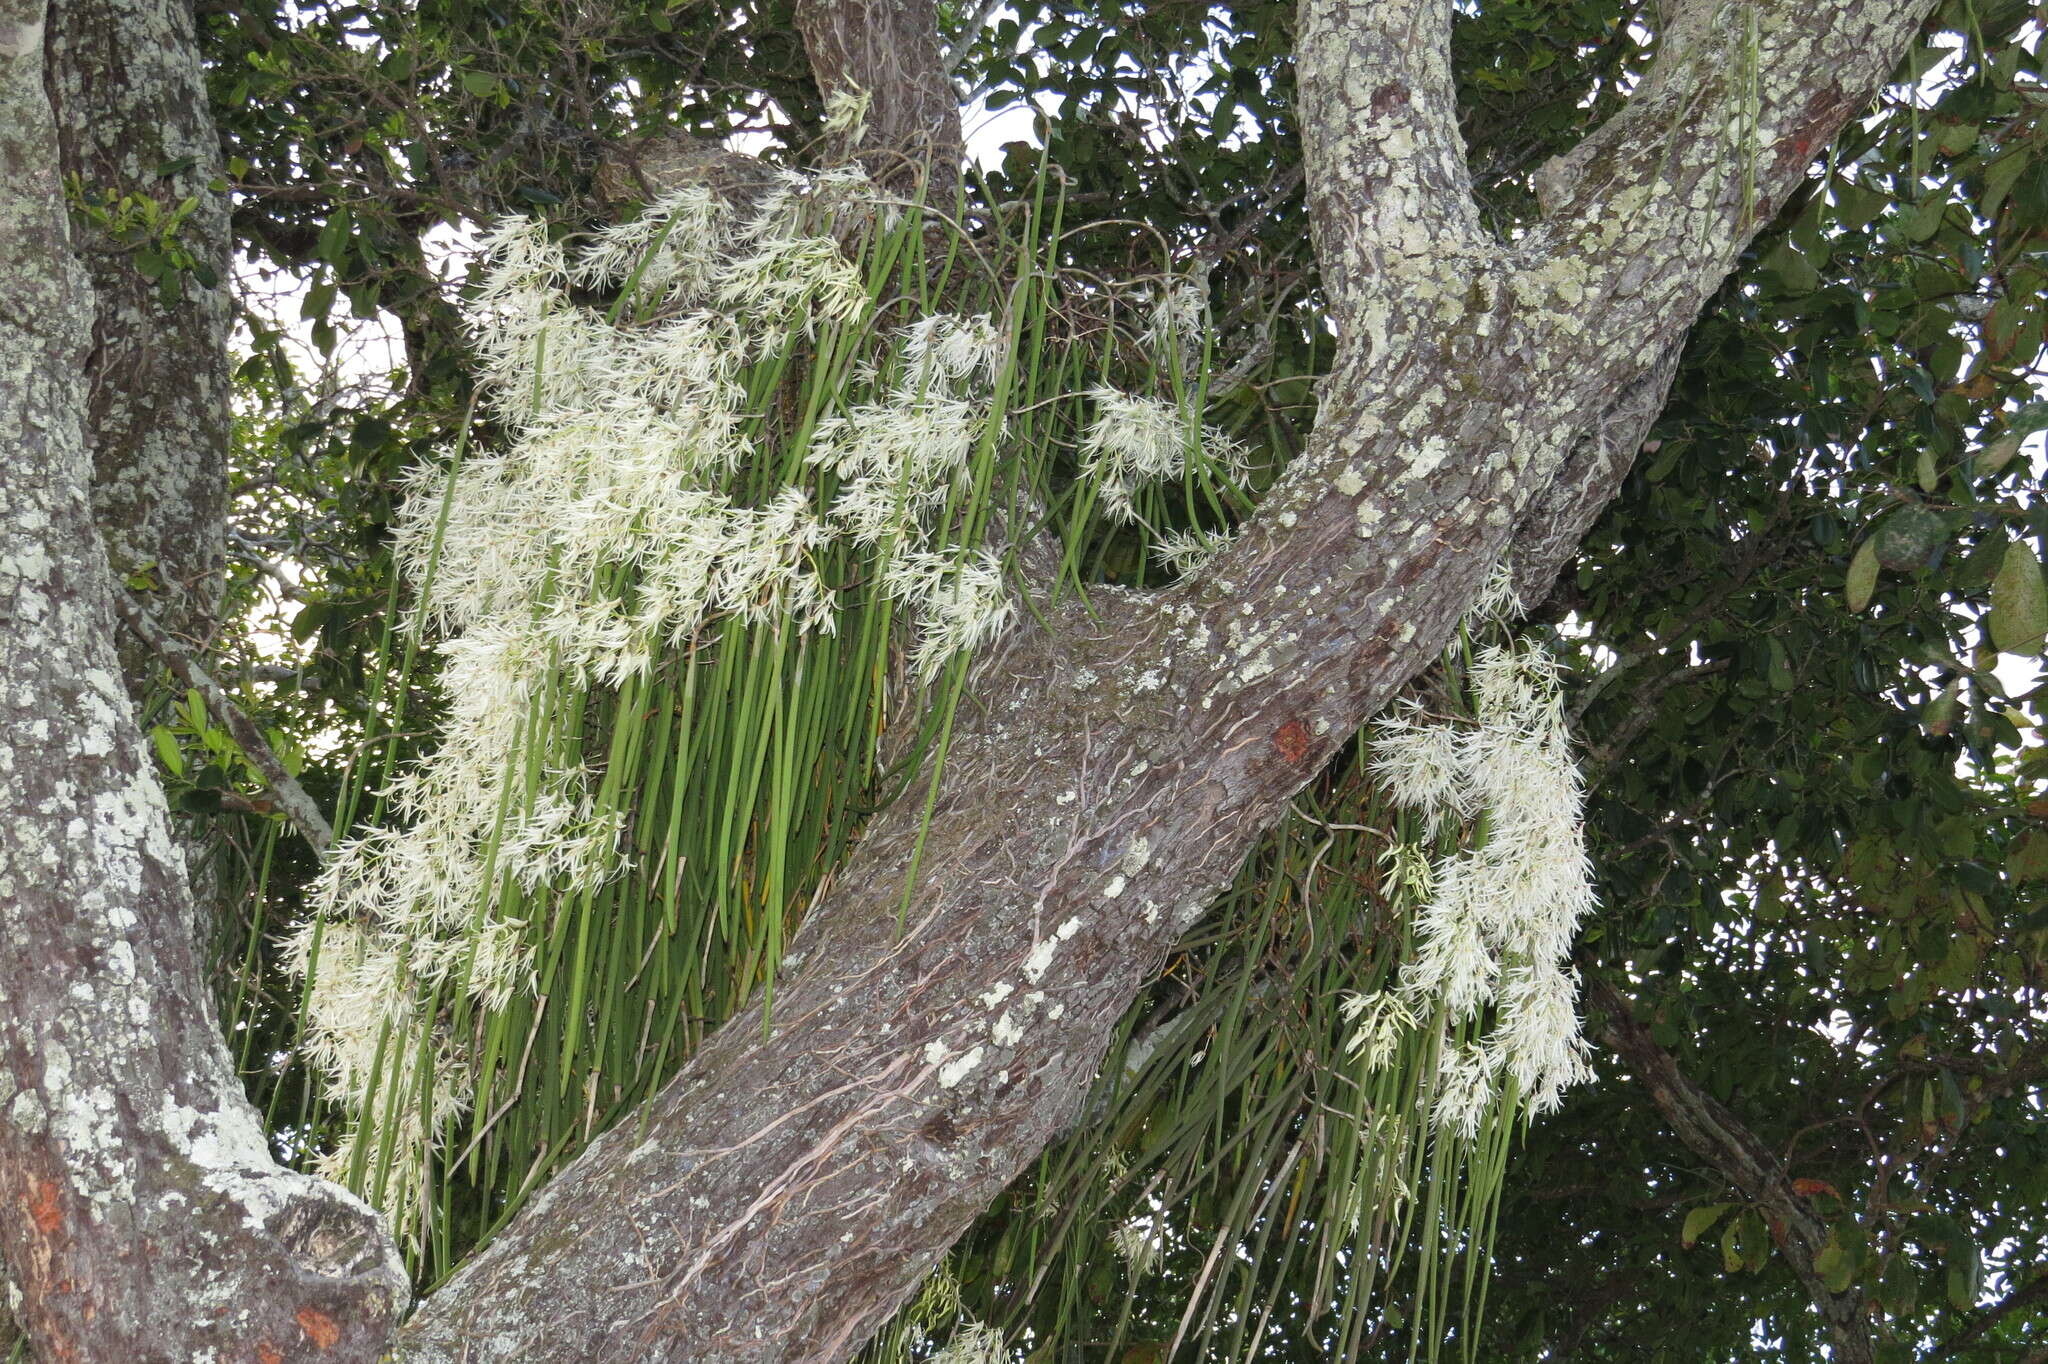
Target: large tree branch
<point x="143" y="1214"/>
<point x="1714" y="1134"/>
<point x="1558" y="517"/>
<point x="949" y="999"/>
<point x="1390" y="199"/>
<point x="1646" y="216"/>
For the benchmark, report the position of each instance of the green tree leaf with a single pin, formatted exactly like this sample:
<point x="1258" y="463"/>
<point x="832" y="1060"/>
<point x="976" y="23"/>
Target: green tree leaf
<point x="2027" y="858"/>
<point x="1908" y="537"/>
<point x="1699" y="1221"/>
<point x="1862" y="576"/>
<point x="2019" y="602"/>
<point x="167" y="749"/>
<point x="1731" y="1250"/>
<point x="1965" y="1271"/>
<point x="1835" y="1265"/>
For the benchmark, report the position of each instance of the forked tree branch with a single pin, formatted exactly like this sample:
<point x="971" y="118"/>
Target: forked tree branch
<point x="935" y="1027"/>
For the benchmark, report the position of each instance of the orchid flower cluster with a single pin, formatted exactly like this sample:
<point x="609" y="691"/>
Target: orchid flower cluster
<point x="969" y="1340"/>
<point x="606" y="534"/>
<point x="973" y="1342"/>
<point x="1138" y="438"/>
<point x="1497" y="916"/>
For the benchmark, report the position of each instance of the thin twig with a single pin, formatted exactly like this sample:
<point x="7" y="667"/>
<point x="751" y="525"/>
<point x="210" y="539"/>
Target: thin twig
<point x="969" y="31"/>
<point x="291" y="798"/>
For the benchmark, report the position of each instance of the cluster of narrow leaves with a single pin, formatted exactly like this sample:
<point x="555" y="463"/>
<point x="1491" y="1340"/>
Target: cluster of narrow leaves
<point x="744" y="514"/>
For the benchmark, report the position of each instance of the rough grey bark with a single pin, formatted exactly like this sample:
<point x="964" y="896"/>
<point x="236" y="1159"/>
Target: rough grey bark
<point x="144" y="1217"/>
<point x="792" y="1186"/>
<point x="1716" y="1135"/>
<point x="130" y="101"/>
<point x="129" y="98"/>
<point x="888" y="51"/>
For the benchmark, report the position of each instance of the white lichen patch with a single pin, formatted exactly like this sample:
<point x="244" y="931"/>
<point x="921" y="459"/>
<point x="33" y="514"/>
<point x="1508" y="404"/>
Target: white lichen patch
<point x="1040" y="960"/>
<point x="27" y="1114"/>
<point x="956" y="1070"/>
<point x="1429" y="456"/>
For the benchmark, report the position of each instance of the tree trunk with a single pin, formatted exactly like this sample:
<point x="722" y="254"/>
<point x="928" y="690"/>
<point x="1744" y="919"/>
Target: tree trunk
<point x="145" y="1217"/>
<point x="887" y="53"/>
<point x="132" y="118"/>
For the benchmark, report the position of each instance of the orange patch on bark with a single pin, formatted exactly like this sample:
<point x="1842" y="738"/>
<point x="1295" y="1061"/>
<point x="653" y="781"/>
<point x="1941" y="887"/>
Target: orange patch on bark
<point x="319" y="1328"/>
<point x="267" y="1355"/>
<point x="1292" y="741"/>
<point x="43" y="1209"/>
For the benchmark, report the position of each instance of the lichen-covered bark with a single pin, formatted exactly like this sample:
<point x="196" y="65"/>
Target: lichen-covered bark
<point x="795" y="1182"/>
<point x="141" y="1215"/>
<point x="132" y="118"/>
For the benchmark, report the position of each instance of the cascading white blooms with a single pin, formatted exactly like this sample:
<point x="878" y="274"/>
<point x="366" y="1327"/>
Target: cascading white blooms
<point x="1139" y="1243"/>
<point x="1137" y="439"/>
<point x="625" y="440"/>
<point x="973" y="1342"/>
<point x="1497" y="917"/>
